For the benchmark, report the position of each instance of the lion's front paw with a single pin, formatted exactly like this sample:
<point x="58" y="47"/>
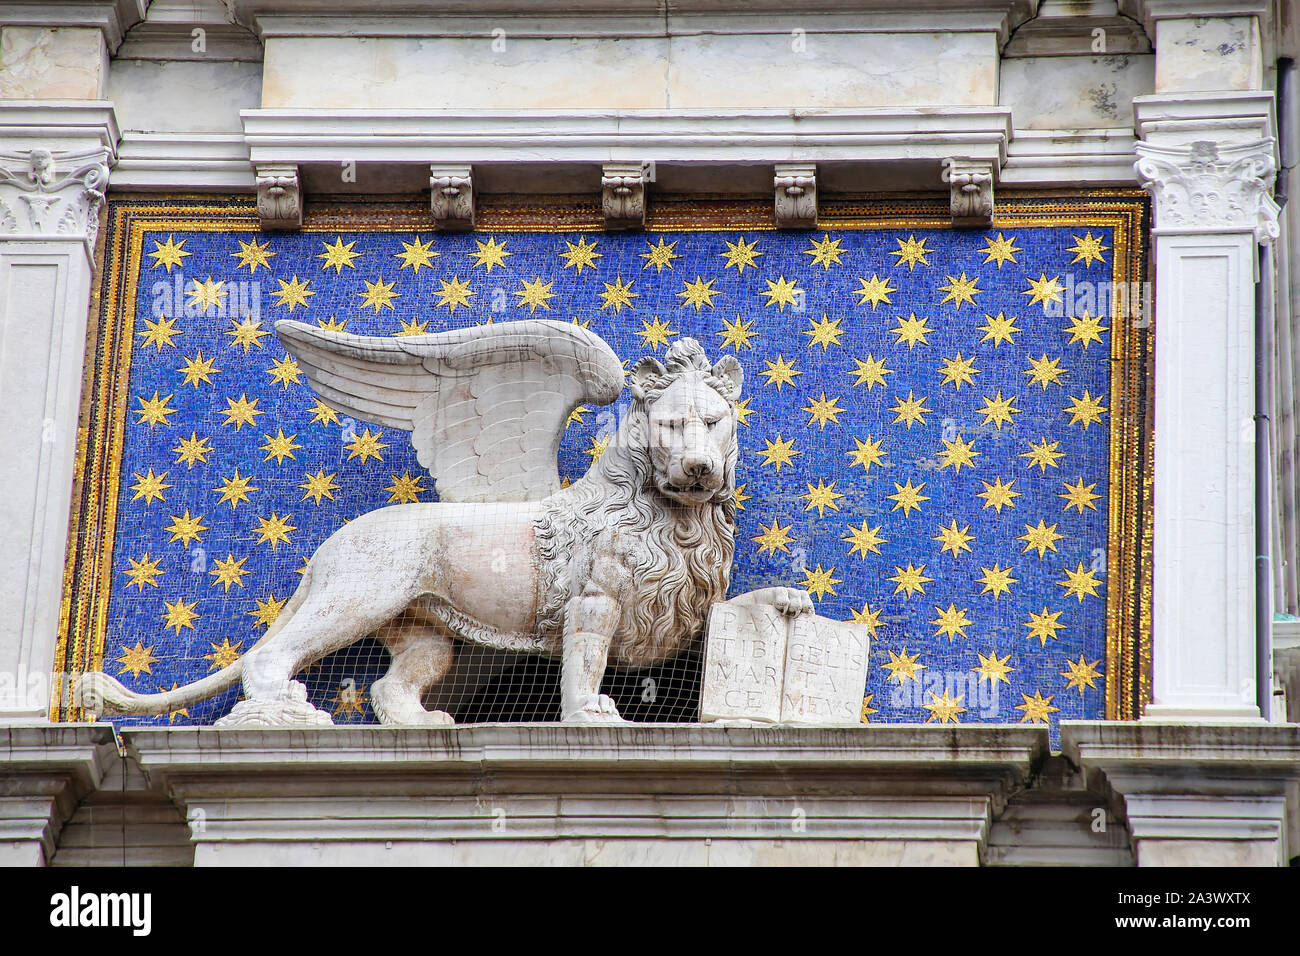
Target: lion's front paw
<point x="596" y="709"/>
<point x="792" y="601"/>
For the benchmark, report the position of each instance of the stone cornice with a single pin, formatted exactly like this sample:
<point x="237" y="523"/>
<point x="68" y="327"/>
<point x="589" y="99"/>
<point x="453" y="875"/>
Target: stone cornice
<point x="944" y="753"/>
<point x="566" y="18"/>
<point x="47" y="770"/>
<point x="68" y="124"/>
<point x="1148" y="12"/>
<point x="1050" y="157"/>
<point x="1248" y="751"/>
<point x="908" y="786"/>
<point x="183" y="161"/>
<point x="1233" y="782"/>
<point x="111" y="17"/>
<point x="702" y="136"/>
<point x="1248" y="114"/>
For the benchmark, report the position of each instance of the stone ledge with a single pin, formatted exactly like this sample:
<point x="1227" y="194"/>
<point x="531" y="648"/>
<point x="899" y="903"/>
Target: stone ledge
<point x="59" y="125"/>
<point x="1046" y="158"/>
<point x="1257" y="750"/>
<point x="1148" y="12"/>
<point x="590" y="791"/>
<point x="113" y="18"/>
<point x="1183" y="117"/>
<point x="1220" y="794"/>
<point x="183" y="161"/>
<point x="566" y="18"/>
<point x="741" y="136"/>
<point x="47" y="769"/>
<point x="620" y="748"/>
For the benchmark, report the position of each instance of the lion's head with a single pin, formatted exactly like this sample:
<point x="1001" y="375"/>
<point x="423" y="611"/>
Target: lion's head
<point x="690" y="421"/>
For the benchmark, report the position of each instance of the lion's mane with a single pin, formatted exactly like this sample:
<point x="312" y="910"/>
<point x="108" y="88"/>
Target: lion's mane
<point x="685" y="563"/>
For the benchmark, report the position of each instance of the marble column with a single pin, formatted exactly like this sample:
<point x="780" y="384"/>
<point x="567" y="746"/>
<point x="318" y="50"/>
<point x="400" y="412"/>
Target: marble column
<point x="54" y="169"/>
<point x="1208" y="161"/>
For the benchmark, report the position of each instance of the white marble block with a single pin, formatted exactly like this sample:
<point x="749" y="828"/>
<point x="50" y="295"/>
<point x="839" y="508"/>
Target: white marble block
<point x="764" y="664"/>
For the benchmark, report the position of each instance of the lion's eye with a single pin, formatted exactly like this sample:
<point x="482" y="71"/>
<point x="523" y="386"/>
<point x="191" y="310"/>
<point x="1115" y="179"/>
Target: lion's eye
<point x="712" y="422"/>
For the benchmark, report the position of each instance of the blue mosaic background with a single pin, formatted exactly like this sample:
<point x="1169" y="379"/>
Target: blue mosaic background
<point x="811" y="317"/>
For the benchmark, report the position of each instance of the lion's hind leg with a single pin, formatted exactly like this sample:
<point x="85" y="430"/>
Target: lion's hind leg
<point x="422" y="654"/>
<point x="323" y="622"/>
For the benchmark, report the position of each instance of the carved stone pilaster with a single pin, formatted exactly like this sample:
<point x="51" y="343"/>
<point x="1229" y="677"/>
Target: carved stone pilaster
<point x="970" y="184"/>
<point x="1211" y="187"/>
<point x="52" y="192"/>
<point x="451" y="197"/>
<point x="279" y="197"/>
<point x="796" y="195"/>
<point x="622" y="193"/>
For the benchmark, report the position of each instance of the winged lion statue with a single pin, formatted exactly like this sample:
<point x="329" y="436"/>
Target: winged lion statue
<point x="623" y="565"/>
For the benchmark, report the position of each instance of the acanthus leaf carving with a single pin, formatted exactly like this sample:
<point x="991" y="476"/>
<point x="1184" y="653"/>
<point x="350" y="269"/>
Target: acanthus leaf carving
<point x="1206" y="185"/>
<point x="53" y="192"/>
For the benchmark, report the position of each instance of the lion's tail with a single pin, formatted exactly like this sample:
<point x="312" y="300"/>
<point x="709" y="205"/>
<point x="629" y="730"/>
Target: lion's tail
<point x="102" y="695"/>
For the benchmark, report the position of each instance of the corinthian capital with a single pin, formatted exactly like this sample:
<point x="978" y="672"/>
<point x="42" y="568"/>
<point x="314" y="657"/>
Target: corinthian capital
<point x="52" y="192"/>
<point x="1210" y="187"/>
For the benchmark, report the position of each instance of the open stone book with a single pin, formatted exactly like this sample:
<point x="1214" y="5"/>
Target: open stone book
<point x="766" y="666"/>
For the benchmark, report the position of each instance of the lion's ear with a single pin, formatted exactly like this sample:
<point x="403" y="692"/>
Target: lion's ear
<point x="731" y="375"/>
<point x="645" y="376"/>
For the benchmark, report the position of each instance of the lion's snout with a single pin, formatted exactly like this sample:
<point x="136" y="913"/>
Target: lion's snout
<point x="697" y="466"/>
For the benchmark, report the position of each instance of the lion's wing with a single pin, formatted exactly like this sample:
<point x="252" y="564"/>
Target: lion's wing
<point x="485" y="406"/>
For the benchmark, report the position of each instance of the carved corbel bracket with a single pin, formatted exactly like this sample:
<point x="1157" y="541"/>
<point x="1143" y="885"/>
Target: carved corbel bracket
<point x="451" y="196"/>
<point x="970" y="184"/>
<point x="623" y="194"/>
<point x="279" y="197"/>
<point x="1211" y="187"/>
<point x="52" y="192"/>
<point x="796" y="195"/>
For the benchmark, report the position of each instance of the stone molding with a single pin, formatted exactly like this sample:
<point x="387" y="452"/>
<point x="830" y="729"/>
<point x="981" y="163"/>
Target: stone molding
<point x="582" y="143"/>
<point x="47" y="770"/>
<point x="1066" y="28"/>
<point x="904" y="793"/>
<point x="1227" y="792"/>
<point x="184" y="162"/>
<point x="113" y="18"/>
<point x="919" y="136"/>
<point x="59" y="124"/>
<point x="1211" y="188"/>
<point x="1051" y="157"/>
<point x="1148" y="12"/>
<point x="1183" y="117"/>
<point x="646" y="18"/>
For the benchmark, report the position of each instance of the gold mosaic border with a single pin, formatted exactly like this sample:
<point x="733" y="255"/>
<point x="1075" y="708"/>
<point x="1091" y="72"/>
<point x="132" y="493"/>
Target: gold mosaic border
<point x="105" y="396"/>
